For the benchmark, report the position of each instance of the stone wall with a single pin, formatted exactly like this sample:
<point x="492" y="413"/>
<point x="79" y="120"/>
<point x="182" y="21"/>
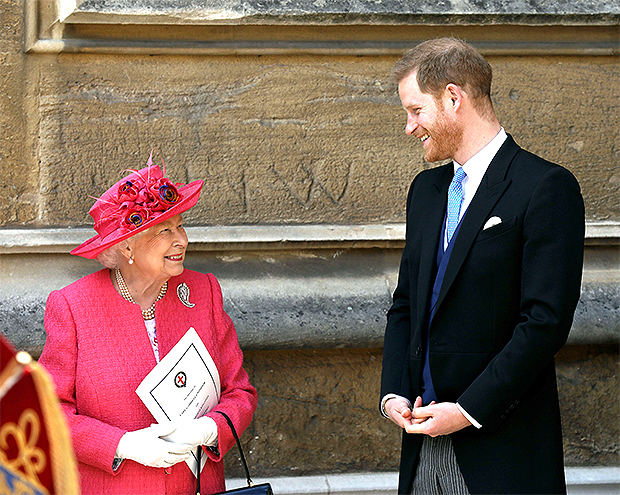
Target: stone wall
<point x="278" y="140"/>
<point x="291" y="119"/>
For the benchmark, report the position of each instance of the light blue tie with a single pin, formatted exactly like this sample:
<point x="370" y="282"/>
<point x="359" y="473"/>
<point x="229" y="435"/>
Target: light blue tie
<point x="455" y="200"/>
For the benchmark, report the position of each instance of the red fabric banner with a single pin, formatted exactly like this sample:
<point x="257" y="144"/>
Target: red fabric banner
<point x="36" y="456"/>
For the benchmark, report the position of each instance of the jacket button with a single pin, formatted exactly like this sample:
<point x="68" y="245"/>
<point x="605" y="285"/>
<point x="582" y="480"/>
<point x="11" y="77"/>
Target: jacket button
<point x="418" y="351"/>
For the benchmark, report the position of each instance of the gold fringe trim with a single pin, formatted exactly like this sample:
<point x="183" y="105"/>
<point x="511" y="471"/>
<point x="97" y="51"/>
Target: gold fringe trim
<point x="64" y="465"/>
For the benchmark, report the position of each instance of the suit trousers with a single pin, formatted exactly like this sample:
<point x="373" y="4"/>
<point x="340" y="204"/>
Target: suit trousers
<point x="438" y="473"/>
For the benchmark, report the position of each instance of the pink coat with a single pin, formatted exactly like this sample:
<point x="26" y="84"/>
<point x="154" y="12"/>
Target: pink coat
<point x="98" y="351"/>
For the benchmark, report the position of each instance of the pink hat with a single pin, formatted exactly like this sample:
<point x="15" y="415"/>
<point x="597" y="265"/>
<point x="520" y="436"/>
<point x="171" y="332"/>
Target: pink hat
<point x="134" y="204"/>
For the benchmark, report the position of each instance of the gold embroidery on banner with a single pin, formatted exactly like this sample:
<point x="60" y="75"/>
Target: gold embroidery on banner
<point x="17" y="487"/>
<point x="30" y="458"/>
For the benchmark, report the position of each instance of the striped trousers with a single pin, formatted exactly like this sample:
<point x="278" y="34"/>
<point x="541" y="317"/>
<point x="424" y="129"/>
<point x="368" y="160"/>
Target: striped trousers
<point x="438" y="472"/>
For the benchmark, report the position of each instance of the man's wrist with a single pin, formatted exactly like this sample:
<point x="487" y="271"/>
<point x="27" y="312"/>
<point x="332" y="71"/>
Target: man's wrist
<point x="388" y="397"/>
<point x="468" y="416"/>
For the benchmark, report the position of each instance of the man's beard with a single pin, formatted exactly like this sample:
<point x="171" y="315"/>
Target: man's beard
<point x="446" y="139"/>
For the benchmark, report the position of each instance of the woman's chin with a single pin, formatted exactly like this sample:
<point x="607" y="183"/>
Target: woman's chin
<point x="174" y="269"/>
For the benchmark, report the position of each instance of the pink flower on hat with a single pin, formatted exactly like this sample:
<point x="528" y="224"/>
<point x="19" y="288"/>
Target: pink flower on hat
<point x="129" y="190"/>
<point x="136" y="216"/>
<point x="166" y="192"/>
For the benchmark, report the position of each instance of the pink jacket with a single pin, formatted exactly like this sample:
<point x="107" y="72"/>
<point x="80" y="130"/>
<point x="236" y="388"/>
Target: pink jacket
<point x="98" y="351"/>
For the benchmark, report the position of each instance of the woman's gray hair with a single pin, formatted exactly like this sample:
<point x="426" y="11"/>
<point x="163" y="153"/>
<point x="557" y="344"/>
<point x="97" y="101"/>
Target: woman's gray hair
<point x="112" y="257"/>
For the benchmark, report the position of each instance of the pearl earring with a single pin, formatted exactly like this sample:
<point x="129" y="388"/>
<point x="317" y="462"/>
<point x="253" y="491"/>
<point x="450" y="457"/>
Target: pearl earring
<point x="130" y="261"/>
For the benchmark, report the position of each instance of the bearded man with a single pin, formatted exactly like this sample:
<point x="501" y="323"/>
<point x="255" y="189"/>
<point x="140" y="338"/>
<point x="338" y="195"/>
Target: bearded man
<point x="488" y="284"/>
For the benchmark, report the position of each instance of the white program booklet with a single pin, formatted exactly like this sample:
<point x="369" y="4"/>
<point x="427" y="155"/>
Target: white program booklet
<point x="185" y="384"/>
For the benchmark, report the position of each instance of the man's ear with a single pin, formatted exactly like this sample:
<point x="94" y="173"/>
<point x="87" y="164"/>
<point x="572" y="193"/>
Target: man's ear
<point x="453" y="97"/>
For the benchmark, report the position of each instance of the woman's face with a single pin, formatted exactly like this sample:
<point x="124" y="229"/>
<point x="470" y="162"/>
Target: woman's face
<point x="159" y="252"/>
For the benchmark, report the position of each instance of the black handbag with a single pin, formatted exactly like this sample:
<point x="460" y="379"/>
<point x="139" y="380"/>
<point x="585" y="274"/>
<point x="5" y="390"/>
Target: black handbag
<point x="251" y="489"/>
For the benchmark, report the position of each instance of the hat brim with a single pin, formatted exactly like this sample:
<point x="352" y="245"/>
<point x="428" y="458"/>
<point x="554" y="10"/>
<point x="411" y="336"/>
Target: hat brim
<point x="90" y="249"/>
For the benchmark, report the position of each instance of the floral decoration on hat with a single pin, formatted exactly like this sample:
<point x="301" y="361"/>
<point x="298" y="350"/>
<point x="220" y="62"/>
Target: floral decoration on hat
<point x="135" y="203"/>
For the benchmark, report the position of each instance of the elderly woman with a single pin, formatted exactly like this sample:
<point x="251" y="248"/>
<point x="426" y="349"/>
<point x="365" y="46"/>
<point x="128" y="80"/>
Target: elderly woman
<point x="108" y="330"/>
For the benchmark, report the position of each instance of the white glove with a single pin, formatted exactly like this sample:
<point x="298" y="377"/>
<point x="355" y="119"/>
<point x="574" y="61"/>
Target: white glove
<point x="146" y="447"/>
<point x="194" y="432"/>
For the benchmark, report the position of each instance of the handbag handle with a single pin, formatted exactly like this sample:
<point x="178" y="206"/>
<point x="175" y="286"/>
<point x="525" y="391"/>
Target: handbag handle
<point x="234" y="432"/>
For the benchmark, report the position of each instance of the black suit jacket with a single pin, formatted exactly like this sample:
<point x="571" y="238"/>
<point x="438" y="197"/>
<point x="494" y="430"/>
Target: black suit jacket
<point x="505" y="308"/>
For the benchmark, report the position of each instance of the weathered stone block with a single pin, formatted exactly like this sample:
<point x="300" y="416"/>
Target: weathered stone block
<point x="296" y="140"/>
<point x="588" y="385"/>
<point x="318" y="413"/>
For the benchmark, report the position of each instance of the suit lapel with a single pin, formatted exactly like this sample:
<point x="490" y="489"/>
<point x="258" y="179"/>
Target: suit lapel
<point x="431" y="235"/>
<point x="491" y="189"/>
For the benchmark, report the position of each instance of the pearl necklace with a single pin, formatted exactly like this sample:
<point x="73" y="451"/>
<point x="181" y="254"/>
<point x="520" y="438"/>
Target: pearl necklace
<point x="147" y="314"/>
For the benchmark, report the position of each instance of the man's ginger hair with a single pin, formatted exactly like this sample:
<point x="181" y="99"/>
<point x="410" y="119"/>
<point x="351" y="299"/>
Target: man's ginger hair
<point x="442" y="61"/>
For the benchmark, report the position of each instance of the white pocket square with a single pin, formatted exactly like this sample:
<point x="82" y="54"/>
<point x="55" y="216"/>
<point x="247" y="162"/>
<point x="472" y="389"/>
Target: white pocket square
<point x="491" y="222"/>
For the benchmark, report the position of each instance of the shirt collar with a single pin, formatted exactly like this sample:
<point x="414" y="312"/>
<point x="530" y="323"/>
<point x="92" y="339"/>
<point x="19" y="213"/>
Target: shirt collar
<point x="477" y="165"/>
